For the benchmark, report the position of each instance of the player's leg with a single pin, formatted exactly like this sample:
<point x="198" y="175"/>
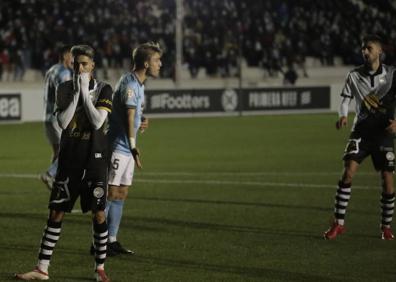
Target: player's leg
<point x="355" y="152"/>
<point x="387" y="205"/>
<point x="120" y="177"/>
<point x="343" y="194"/>
<point x="49" y="239"/>
<point x="384" y="161"/>
<point x="117" y="196"/>
<point x="62" y="199"/>
<point x="53" y="133"/>
<point x="100" y="237"/>
<point x="93" y="197"/>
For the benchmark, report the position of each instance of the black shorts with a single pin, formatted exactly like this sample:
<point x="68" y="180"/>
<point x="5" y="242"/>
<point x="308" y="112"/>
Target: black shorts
<point x="380" y="147"/>
<point x="90" y="185"/>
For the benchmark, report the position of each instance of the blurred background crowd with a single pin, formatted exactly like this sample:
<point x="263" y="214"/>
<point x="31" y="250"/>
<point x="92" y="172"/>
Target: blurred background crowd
<point x="270" y="34"/>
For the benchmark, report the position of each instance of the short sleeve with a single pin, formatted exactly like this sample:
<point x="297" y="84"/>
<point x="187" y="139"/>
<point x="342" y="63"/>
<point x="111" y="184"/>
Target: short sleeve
<point x="347" y="89"/>
<point x="105" y="99"/>
<point x="130" y="96"/>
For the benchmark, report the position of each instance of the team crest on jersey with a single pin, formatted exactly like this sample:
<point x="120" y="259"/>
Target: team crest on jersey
<point x="372" y="103"/>
<point x="98" y="192"/>
<point x="390" y="156"/>
<point x="130" y="93"/>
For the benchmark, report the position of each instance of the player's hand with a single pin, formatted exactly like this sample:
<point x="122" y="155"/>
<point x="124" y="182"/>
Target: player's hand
<point x="84" y="78"/>
<point x="342" y="122"/>
<point x="76" y="83"/>
<point x="391" y="127"/>
<point x="144" y="124"/>
<point x="136" y="156"/>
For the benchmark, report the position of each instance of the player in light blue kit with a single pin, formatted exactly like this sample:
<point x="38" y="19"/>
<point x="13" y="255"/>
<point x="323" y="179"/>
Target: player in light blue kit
<point x="125" y="121"/>
<point x="58" y="73"/>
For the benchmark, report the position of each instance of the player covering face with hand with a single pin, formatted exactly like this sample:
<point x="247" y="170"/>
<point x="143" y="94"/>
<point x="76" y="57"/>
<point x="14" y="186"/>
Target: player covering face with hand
<point x="83" y="104"/>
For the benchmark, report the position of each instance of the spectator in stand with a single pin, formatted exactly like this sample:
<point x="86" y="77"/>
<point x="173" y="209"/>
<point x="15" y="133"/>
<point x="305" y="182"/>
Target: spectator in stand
<point x="290" y="76"/>
<point x="261" y="29"/>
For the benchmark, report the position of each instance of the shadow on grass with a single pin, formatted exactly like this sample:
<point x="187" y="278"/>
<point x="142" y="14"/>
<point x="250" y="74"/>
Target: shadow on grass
<point x="172" y="223"/>
<point x="245" y="272"/>
<point x="157" y="224"/>
<point x="76" y="218"/>
<point x="249" y="204"/>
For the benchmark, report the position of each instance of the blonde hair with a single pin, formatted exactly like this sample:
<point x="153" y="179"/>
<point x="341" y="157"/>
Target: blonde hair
<point x="143" y="53"/>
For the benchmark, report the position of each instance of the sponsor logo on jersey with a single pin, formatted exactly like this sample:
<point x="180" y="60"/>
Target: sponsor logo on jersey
<point x="372" y="103"/>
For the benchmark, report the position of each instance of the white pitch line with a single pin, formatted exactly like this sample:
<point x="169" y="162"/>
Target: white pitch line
<point x="209" y="182"/>
<point x="245" y="183"/>
<point x="265" y="173"/>
<point x="19" y="175"/>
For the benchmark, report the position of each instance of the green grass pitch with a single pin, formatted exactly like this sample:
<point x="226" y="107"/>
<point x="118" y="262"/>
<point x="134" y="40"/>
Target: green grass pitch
<point x="218" y="199"/>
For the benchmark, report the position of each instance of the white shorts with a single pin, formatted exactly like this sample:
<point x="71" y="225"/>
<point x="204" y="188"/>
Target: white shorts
<point x="121" y="169"/>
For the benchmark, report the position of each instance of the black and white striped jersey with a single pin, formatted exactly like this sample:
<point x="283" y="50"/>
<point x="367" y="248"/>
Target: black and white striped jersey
<point x="374" y="94"/>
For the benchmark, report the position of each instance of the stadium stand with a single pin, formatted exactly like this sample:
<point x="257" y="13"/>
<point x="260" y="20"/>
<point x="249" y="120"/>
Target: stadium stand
<point x="269" y="35"/>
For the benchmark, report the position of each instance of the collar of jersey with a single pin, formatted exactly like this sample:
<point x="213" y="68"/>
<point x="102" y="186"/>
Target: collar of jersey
<point x="367" y="71"/>
<point x="135" y="77"/>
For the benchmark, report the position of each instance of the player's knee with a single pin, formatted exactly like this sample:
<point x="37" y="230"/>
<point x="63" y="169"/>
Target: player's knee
<point x="112" y="194"/>
<point x="348" y="174"/>
<point x="123" y="194"/>
<point x="117" y="193"/>
<point x="99" y="217"/>
<point x="387" y="181"/>
<point x="56" y="216"/>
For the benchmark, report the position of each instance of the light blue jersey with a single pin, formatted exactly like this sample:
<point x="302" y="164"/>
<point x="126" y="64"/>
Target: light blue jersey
<point x="55" y="75"/>
<point x="128" y="94"/>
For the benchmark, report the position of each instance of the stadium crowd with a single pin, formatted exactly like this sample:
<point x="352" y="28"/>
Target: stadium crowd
<point x="271" y="34"/>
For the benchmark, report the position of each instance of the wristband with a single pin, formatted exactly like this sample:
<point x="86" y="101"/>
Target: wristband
<point x="132" y="142"/>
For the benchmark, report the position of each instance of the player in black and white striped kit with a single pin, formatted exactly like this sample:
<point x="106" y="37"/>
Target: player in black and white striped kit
<point x="83" y="105"/>
<point x="373" y="86"/>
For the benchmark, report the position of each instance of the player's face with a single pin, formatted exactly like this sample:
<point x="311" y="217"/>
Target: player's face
<point x="371" y="52"/>
<point x="82" y="64"/>
<point x="154" y="65"/>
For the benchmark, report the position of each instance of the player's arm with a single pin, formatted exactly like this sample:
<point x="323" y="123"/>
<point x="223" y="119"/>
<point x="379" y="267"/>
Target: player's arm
<point x="96" y="115"/>
<point x="66" y="103"/>
<point x="392" y="122"/>
<point x="343" y="112"/>
<point x="346" y="95"/>
<point x="131" y="136"/>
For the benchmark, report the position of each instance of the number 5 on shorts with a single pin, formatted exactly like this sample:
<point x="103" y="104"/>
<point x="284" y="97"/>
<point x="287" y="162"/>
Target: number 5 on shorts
<point x="116" y="164"/>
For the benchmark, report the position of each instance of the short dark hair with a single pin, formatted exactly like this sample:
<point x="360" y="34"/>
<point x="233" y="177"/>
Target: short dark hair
<point x="62" y="50"/>
<point x="84" y="50"/>
<point x="143" y="53"/>
<point x="372" y="38"/>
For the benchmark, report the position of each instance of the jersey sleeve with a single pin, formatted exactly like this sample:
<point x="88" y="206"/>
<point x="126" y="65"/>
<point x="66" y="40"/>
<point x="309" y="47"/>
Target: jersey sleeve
<point x="347" y="89"/>
<point x="130" y="96"/>
<point x="105" y="100"/>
